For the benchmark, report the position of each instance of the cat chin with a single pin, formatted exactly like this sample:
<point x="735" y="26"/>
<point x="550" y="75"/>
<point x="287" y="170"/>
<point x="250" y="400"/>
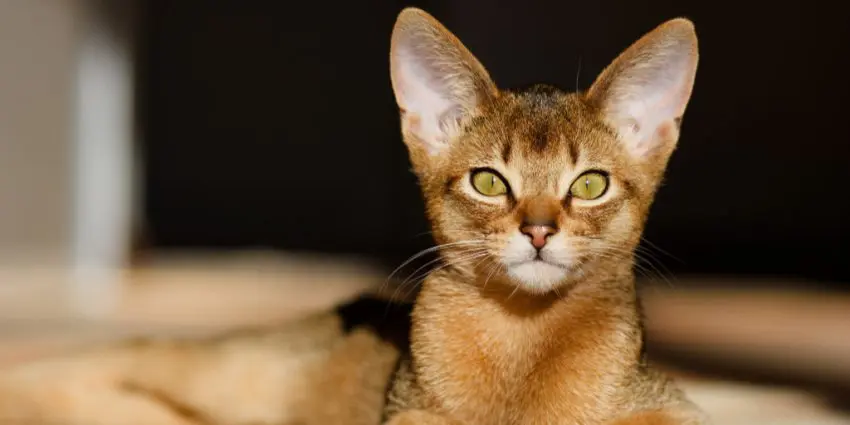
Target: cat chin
<point x="538" y="276"/>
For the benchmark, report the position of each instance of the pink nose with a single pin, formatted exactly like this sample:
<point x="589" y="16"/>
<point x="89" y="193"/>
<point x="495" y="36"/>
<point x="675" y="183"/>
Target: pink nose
<point x="538" y="234"/>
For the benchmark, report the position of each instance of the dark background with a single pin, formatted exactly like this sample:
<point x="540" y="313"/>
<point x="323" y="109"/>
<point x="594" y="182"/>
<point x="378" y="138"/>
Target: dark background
<point x="272" y="124"/>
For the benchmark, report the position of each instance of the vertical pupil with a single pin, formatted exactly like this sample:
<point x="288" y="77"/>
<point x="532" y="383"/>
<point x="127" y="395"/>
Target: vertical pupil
<point x="587" y="182"/>
<point x="492" y="180"/>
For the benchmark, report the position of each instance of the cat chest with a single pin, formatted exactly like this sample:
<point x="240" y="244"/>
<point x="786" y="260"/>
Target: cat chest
<point x="509" y="379"/>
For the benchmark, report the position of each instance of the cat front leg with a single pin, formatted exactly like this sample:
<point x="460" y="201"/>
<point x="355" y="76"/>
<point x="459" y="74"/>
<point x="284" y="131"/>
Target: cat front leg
<point x="660" y="417"/>
<point x="419" y="417"/>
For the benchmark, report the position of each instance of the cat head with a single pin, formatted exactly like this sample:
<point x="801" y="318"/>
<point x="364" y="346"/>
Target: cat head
<point x="539" y="187"/>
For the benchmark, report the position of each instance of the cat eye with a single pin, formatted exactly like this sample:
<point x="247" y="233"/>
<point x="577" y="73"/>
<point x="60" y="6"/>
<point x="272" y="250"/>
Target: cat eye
<point x="589" y="186"/>
<point x="489" y="183"/>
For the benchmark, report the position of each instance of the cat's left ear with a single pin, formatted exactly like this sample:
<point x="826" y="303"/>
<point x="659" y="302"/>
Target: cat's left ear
<point x="644" y="92"/>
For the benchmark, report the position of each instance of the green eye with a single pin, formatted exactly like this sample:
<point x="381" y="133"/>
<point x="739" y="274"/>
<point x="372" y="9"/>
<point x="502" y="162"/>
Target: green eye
<point x="489" y="183"/>
<point x="589" y="186"/>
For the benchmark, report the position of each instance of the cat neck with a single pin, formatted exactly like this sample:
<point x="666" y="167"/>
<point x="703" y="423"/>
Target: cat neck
<point x="466" y="337"/>
<point x="610" y="286"/>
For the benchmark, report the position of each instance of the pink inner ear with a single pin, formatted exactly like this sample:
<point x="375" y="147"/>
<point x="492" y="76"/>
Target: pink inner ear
<point x="647" y="88"/>
<point x="667" y="130"/>
<point x="645" y="100"/>
<point x="435" y="78"/>
<point x="423" y="98"/>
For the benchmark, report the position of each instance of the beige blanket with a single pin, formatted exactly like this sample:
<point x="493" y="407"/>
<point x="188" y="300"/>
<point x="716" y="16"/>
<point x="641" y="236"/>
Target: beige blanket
<point x="47" y="312"/>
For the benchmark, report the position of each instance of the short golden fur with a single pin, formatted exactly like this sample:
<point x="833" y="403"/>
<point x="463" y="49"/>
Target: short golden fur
<point x="484" y="352"/>
<point x="489" y="340"/>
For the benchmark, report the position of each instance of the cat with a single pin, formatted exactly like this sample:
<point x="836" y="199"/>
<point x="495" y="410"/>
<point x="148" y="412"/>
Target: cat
<point x="537" y="200"/>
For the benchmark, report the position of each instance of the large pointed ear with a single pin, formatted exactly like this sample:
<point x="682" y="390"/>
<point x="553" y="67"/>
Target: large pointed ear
<point x="644" y="92"/>
<point x="436" y="80"/>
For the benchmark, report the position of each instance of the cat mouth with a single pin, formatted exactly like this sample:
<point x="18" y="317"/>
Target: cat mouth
<point x="538" y="260"/>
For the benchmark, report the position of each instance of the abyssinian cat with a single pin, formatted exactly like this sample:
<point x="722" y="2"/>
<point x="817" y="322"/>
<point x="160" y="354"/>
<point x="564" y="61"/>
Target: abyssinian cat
<point x="537" y="199"/>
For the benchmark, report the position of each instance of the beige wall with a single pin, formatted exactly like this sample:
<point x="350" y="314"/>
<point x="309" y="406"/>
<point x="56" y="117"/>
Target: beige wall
<point x="37" y="48"/>
<point x="66" y="120"/>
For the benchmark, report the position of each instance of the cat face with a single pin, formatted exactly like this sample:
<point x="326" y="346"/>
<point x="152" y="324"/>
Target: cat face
<point x="538" y="187"/>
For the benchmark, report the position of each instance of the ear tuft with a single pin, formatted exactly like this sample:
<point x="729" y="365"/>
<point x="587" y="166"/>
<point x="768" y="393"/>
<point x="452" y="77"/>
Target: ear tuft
<point x="437" y="82"/>
<point x="644" y="92"/>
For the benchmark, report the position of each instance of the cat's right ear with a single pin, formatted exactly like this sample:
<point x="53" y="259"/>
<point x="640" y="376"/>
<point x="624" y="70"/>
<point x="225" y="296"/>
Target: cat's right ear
<point x="644" y="92"/>
<point x="436" y="80"/>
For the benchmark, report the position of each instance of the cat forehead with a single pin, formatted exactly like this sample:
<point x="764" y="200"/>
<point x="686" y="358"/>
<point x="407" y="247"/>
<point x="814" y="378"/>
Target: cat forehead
<point x="540" y="124"/>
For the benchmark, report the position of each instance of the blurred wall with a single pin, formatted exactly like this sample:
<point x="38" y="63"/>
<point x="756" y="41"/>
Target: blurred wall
<point x="66" y="132"/>
<point x="37" y="46"/>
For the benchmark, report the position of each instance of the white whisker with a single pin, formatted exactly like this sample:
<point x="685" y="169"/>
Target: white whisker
<point x="429" y="251"/>
<point x="415" y="283"/>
